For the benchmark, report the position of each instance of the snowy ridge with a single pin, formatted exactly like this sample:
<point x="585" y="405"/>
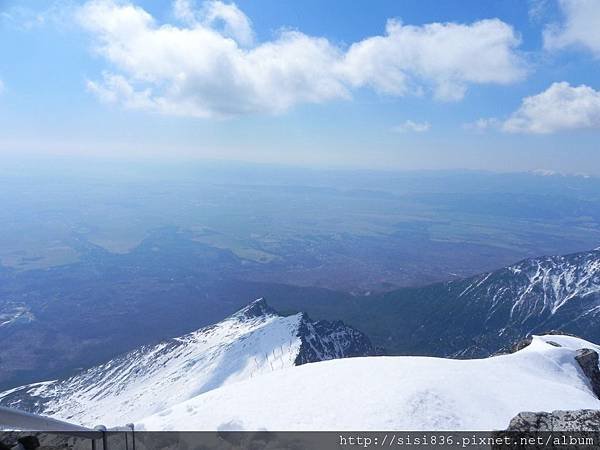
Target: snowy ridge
<point x="540" y="286"/>
<point x="535" y="296"/>
<point x="253" y="341"/>
<point x="395" y="393"/>
<point x="560" y="280"/>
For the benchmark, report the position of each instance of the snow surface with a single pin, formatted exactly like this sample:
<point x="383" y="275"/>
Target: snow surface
<point x="153" y="378"/>
<point x="394" y="393"/>
<point x="147" y="380"/>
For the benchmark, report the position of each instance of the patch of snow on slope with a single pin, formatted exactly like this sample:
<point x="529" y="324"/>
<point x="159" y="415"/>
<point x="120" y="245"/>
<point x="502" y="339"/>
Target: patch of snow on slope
<point x="394" y="393"/>
<point x="555" y="280"/>
<point x="153" y="378"/>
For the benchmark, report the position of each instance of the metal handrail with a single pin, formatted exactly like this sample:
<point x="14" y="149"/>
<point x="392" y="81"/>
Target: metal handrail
<point x="24" y="421"/>
<point x="15" y="420"/>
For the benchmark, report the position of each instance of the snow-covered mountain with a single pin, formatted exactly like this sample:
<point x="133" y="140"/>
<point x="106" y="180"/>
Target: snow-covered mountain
<point x="542" y="286"/>
<point x="483" y="314"/>
<point x="253" y="341"/>
<point x="536" y="295"/>
<point x="396" y="393"/>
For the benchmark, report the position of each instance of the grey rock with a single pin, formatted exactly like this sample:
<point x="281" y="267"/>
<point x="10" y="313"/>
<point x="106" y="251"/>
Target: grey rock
<point x="577" y="420"/>
<point x="588" y="361"/>
<point x="323" y="340"/>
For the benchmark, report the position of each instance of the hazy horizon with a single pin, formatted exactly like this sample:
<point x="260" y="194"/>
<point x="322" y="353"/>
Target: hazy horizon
<point x="365" y="86"/>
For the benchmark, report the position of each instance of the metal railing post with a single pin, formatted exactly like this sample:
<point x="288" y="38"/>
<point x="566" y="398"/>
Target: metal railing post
<point x="102" y="429"/>
<point x="131" y="426"/>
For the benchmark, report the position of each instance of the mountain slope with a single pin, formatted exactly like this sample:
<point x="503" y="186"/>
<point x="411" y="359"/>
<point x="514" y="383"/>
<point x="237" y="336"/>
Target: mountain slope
<point x="395" y="393"/>
<point x="536" y="295"/>
<point x="254" y="340"/>
<point x="480" y="315"/>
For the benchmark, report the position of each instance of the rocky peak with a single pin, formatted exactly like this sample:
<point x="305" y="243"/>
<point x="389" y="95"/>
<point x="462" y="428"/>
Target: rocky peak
<point x="257" y="308"/>
<point x="324" y="340"/>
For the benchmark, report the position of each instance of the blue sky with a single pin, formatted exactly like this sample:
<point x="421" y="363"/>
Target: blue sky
<point x="503" y="85"/>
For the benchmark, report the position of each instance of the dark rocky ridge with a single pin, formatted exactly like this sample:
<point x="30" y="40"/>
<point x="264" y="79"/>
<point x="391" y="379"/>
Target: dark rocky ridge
<point x="322" y="340"/>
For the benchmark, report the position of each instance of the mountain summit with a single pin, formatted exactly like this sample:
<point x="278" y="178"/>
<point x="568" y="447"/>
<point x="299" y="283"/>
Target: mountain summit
<point x="252" y="341"/>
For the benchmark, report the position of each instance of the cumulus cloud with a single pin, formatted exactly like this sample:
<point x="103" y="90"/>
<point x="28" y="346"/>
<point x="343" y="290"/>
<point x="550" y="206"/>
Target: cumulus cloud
<point x="210" y="65"/>
<point x="580" y="27"/>
<point x="198" y="71"/>
<point x="410" y="126"/>
<point x="444" y="56"/>
<point x="560" y="107"/>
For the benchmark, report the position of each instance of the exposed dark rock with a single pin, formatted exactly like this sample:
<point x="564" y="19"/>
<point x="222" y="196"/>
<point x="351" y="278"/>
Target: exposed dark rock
<point x="521" y="344"/>
<point x="29" y="442"/>
<point x="531" y="421"/>
<point x="588" y="361"/>
<point x="578" y="420"/>
<point x="324" y="340"/>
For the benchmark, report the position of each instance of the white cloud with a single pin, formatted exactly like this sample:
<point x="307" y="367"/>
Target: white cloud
<point x="580" y="28"/>
<point x="116" y="88"/>
<point x="197" y="71"/>
<point x="1" y="86"/>
<point x="184" y="11"/>
<point x="560" y="107"/>
<point x="231" y="21"/>
<point x="211" y="66"/>
<point x="445" y="56"/>
<point x="410" y="126"/>
<point x="235" y="23"/>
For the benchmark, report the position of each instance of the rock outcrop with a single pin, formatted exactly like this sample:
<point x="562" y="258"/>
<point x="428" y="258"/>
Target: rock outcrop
<point x="588" y="361"/>
<point x="579" y="420"/>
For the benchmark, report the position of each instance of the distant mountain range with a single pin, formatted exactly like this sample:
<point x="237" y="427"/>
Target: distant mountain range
<point x="253" y="341"/>
<point x="480" y="315"/>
